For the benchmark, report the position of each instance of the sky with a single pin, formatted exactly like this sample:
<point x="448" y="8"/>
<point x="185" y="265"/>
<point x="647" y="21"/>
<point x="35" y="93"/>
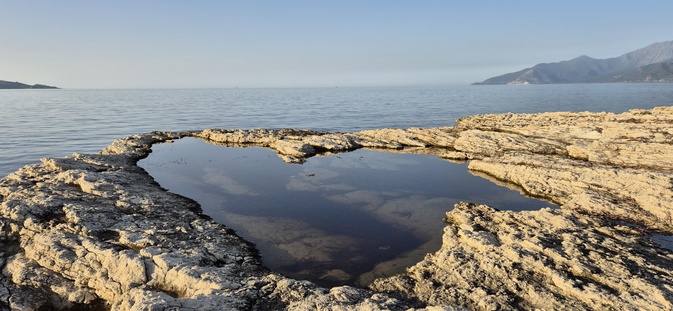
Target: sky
<point x="226" y="44"/>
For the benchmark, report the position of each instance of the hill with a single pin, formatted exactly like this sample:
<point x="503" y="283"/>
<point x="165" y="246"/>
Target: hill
<point x="18" y="85"/>
<point x="653" y="63"/>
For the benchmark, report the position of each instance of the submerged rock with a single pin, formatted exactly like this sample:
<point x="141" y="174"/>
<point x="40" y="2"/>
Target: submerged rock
<point x="95" y="231"/>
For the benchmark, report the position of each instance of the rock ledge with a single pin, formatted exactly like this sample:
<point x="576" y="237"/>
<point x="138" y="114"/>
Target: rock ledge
<point x="94" y="231"/>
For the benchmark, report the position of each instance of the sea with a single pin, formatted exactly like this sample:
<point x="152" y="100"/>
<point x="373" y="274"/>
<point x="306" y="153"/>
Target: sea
<point x="55" y="123"/>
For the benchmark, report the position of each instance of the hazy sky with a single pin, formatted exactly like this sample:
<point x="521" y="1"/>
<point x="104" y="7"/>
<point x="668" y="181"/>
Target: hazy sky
<point x="164" y="44"/>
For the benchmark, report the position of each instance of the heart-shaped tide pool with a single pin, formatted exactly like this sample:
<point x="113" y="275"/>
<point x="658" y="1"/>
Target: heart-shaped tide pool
<point x="341" y="219"/>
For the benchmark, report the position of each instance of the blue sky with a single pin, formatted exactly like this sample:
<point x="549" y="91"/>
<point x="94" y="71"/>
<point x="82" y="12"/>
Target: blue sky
<point x="167" y="44"/>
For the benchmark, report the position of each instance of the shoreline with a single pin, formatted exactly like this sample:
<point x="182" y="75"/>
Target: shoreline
<point x="96" y="229"/>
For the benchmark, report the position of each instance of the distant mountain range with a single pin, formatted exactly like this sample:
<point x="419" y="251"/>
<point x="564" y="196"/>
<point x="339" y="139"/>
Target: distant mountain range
<point x="653" y="63"/>
<point x="17" y="85"/>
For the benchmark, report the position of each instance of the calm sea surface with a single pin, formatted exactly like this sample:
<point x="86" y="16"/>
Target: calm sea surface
<point x="56" y="123"/>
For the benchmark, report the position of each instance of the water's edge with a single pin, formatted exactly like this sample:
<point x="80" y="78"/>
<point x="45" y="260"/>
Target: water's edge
<point x="391" y="203"/>
<point x="99" y="225"/>
<point x="59" y="122"/>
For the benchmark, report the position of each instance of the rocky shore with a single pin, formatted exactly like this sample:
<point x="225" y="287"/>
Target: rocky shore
<point x="94" y="231"/>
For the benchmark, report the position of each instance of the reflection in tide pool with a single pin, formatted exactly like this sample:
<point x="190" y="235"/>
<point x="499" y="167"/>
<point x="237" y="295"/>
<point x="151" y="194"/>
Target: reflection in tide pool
<point x="663" y="240"/>
<point x="340" y="219"/>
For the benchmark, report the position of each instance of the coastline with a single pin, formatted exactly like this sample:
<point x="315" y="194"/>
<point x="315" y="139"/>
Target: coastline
<point x="95" y="229"/>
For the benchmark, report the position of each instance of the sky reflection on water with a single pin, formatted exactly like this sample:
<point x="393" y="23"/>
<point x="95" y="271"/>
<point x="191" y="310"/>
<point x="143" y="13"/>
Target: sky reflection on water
<point x="339" y="219"/>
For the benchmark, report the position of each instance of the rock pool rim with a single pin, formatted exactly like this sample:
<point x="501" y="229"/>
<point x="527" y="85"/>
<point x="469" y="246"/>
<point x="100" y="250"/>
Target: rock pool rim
<point x="414" y="184"/>
<point x="112" y="186"/>
<point x="300" y="156"/>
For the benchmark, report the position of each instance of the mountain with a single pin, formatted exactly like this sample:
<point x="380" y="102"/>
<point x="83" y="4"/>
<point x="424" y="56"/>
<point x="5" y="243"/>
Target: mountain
<point x="657" y="72"/>
<point x="17" y="85"/>
<point x="649" y="64"/>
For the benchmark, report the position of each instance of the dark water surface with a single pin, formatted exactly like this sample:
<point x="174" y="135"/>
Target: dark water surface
<point x="339" y="219"/>
<point x="56" y="123"/>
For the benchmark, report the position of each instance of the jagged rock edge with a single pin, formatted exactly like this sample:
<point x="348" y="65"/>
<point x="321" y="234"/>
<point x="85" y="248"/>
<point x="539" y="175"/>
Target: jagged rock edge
<point x="126" y="152"/>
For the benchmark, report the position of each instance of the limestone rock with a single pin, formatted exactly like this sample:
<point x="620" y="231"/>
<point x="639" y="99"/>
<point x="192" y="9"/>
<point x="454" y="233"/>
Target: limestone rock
<point x="616" y="165"/>
<point x="95" y="231"/>
<point x="547" y="259"/>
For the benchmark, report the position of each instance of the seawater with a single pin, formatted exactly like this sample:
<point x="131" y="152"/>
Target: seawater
<point x="55" y="123"/>
<point x="341" y="219"/>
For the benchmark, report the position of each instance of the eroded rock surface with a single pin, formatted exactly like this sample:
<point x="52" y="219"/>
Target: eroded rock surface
<point x="547" y="259"/>
<point x="95" y="231"/>
<point x="604" y="164"/>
